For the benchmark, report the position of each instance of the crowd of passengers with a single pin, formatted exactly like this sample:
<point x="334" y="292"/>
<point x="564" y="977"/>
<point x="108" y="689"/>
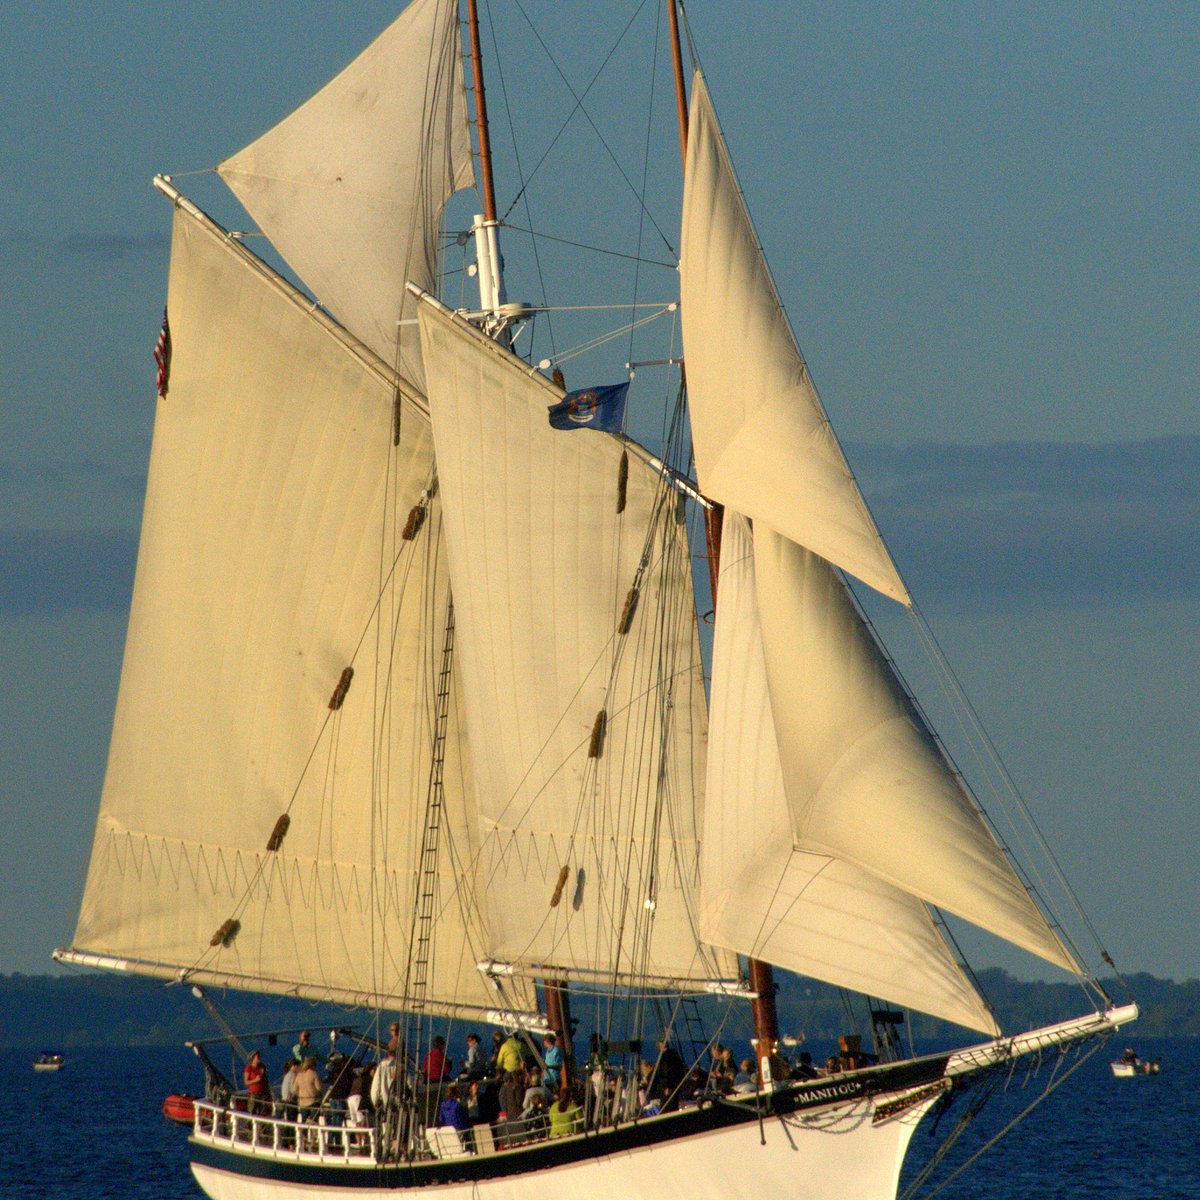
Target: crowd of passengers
<point x="520" y="1097"/>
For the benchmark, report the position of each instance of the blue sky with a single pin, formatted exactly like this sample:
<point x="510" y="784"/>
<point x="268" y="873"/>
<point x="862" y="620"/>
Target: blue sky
<point x="982" y="219"/>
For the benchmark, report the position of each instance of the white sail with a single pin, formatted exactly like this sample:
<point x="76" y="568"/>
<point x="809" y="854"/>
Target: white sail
<point x="864" y="779"/>
<point x="542" y="563"/>
<point x="270" y="561"/>
<point x="763" y="443"/>
<point x="350" y="187"/>
<point x="812" y="913"/>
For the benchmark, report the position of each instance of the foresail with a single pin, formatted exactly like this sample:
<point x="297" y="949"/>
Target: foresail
<point x="590" y="861"/>
<point x="350" y="187"/>
<point x="272" y="560"/>
<point x="864" y="779"/>
<point x="812" y="913"/>
<point x="763" y="443"/>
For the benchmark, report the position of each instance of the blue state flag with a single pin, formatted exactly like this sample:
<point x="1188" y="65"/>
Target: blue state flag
<point x="591" y="408"/>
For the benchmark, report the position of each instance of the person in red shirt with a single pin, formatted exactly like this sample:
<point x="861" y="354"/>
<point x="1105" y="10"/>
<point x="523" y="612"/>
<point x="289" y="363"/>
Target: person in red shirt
<point x="437" y="1065"/>
<point x="258" y="1090"/>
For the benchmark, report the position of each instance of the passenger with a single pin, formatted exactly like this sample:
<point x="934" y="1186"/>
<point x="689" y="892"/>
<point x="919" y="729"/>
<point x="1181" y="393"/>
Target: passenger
<point x="645" y="1083"/>
<point x="494" y="1060"/>
<point x="308" y="1087"/>
<point x="302" y="1049"/>
<point x="383" y="1085"/>
<point x="723" y="1071"/>
<point x="804" y="1068"/>
<point x="746" y="1079"/>
<point x="510" y="1057"/>
<point x="537" y="1096"/>
<point x="566" y="1117"/>
<point x="437" y="1065"/>
<point x="258" y="1091"/>
<point x="669" y="1073"/>
<point x="511" y="1092"/>
<point x="694" y="1085"/>
<point x="395" y="1041"/>
<point x="339" y="1074"/>
<point x="553" y="1057"/>
<point x="473" y="1065"/>
<point x="534" y="1107"/>
<point x="452" y="1112"/>
<point x="287" y="1090"/>
<point x="357" y="1093"/>
<point x="487" y="1096"/>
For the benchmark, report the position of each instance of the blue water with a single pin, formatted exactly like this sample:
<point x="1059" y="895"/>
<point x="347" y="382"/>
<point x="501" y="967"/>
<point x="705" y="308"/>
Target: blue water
<point x="94" y="1130"/>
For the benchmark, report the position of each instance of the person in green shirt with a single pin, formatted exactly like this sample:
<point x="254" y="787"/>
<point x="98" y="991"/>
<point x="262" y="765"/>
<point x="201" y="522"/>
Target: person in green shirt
<point x="566" y="1117"/>
<point x="510" y="1056"/>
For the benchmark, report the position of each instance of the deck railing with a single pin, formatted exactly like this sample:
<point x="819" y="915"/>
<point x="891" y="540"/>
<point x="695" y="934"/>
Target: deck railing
<point x="321" y="1139"/>
<point x="324" y="1137"/>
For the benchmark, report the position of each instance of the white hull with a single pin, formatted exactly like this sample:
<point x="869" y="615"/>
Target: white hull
<point x="835" y="1151"/>
<point x="815" y="1140"/>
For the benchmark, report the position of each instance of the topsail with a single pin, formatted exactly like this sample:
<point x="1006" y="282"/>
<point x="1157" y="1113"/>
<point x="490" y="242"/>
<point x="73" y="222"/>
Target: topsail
<point x="350" y="187"/>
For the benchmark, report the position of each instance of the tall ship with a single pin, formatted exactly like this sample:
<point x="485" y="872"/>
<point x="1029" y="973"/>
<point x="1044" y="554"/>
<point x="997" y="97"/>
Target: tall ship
<point x="447" y="699"/>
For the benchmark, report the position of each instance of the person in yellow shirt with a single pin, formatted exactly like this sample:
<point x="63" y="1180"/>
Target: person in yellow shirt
<point x="510" y="1056"/>
<point x="566" y="1117"/>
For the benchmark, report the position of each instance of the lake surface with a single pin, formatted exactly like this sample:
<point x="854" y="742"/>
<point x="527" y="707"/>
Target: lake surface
<point x="94" y="1130"/>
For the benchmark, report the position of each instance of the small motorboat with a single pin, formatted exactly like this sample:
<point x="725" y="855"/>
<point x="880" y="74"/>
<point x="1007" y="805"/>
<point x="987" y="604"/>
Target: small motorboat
<point x="1129" y="1065"/>
<point x="48" y="1061"/>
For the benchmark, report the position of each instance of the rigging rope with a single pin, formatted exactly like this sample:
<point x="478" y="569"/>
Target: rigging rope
<point x="579" y="107"/>
<point x="986" y="747"/>
<point x="1052" y="1085"/>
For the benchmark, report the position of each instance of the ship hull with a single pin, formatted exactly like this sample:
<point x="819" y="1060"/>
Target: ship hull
<point x="801" y="1147"/>
<point x="842" y="1135"/>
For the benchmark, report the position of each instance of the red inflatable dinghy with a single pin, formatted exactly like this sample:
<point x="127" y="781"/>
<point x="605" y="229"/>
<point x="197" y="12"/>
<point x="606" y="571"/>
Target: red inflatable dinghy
<point x="177" y="1107"/>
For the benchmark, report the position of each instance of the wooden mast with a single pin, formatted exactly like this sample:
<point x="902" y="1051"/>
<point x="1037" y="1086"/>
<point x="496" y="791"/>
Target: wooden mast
<point x="681" y="104"/>
<point x="558" y="1005"/>
<point x="762" y="975"/>
<point x="481" y="118"/>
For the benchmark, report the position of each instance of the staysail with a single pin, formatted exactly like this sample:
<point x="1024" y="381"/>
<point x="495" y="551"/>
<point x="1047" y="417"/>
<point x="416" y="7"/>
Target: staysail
<point x="350" y="187"/>
<point x="817" y="914"/>
<point x="271" y="560"/>
<point x="763" y="443"/>
<point x="865" y="780"/>
<point x="590" y="859"/>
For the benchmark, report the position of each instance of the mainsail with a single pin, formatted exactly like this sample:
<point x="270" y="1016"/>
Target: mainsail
<point x="350" y="187"/>
<point x="543" y="559"/>
<point x="763" y="443"/>
<point x="272" y="559"/>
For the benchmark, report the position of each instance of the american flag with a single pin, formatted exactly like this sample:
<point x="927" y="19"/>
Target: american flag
<point x="162" y="356"/>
